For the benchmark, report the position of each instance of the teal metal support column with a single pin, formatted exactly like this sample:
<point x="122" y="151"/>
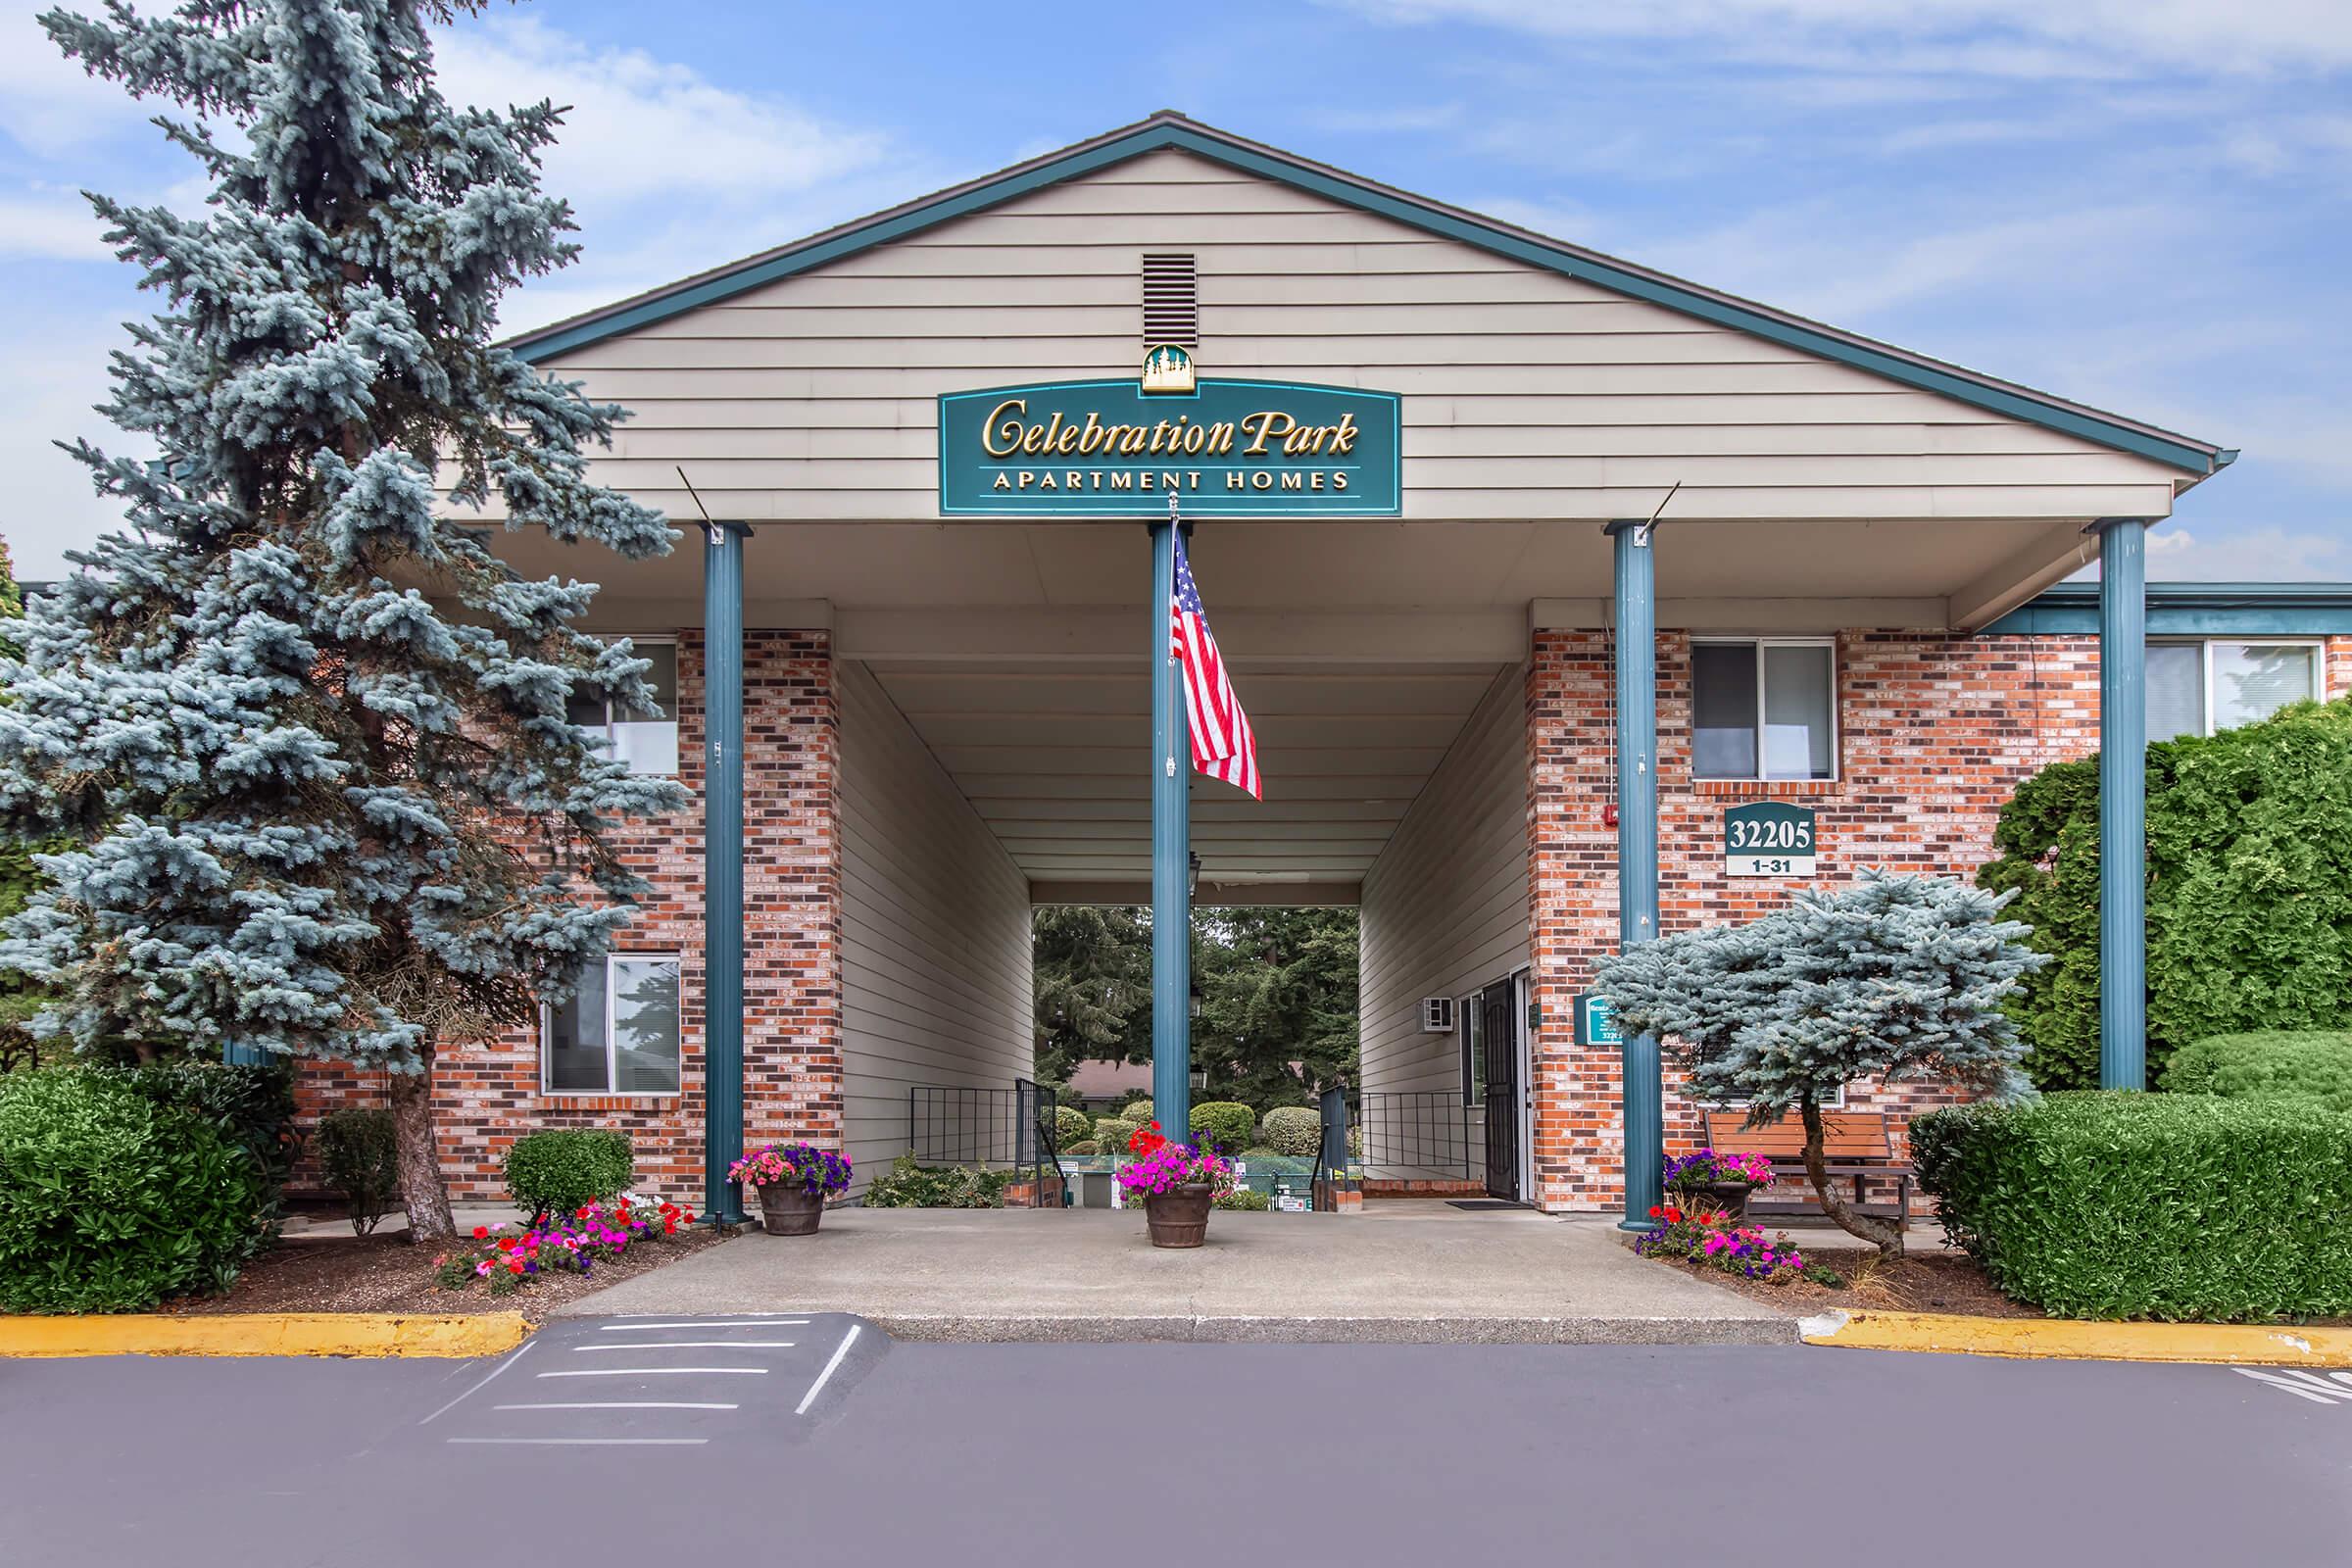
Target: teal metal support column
<point x="1636" y="623"/>
<point x="1171" y="856"/>
<point x="2123" y="802"/>
<point x="722" y="868"/>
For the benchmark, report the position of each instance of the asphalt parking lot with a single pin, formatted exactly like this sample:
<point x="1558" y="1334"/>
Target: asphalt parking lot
<point x="653" y="1439"/>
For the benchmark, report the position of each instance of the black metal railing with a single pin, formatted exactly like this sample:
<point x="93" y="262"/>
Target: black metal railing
<point x="1427" y="1130"/>
<point x="953" y="1124"/>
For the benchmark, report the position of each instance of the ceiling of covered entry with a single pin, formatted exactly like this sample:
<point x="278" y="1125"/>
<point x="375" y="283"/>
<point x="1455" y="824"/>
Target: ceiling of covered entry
<point x="1055" y="758"/>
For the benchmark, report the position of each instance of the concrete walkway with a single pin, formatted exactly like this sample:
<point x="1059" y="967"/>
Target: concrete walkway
<point x="1404" y="1271"/>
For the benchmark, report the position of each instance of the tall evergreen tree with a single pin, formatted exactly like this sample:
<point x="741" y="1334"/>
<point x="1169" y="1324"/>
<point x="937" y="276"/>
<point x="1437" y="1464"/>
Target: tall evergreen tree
<point x="1091" y="987"/>
<point x="320" y="816"/>
<point x="1278" y="1008"/>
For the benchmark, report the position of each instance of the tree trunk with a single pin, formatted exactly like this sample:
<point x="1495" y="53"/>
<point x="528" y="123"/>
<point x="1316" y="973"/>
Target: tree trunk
<point x="1883" y="1234"/>
<point x="422" y="1189"/>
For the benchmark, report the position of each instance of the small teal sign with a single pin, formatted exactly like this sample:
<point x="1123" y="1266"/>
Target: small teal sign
<point x="1595" y="1022"/>
<point x="1226" y="449"/>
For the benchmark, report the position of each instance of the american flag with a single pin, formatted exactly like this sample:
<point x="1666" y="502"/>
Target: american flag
<point x="1223" y="746"/>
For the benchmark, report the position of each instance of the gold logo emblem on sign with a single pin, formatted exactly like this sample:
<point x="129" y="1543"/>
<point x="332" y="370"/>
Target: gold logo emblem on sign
<point x="1167" y="367"/>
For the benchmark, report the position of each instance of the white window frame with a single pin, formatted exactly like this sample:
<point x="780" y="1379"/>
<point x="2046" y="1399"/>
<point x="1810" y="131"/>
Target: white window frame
<point x="1465" y="1008"/>
<point x="547" y="1022"/>
<point x="2316" y="646"/>
<point x="1759" y="643"/>
<point x="642" y="640"/>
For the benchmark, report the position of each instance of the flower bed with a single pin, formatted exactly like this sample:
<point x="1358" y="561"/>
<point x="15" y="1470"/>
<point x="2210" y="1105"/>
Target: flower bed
<point x="1160" y="1167"/>
<point x="508" y="1259"/>
<point x="1711" y="1241"/>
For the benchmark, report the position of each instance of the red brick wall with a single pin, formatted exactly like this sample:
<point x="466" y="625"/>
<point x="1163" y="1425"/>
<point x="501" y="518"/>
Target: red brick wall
<point x="488" y="1094"/>
<point x="1935" y="733"/>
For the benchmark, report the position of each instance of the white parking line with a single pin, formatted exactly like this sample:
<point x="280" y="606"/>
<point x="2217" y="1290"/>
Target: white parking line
<point x="822" y="1378"/>
<point x="617" y="1404"/>
<point x="656" y="1371"/>
<point x="504" y="1363"/>
<point x="709" y="1323"/>
<point x="587" y="1443"/>
<point x="692" y="1345"/>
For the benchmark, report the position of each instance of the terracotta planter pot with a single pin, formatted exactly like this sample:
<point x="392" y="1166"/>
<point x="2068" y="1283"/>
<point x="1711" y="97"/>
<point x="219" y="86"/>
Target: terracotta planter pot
<point x="1729" y="1198"/>
<point x="786" y="1208"/>
<point x="1179" y="1218"/>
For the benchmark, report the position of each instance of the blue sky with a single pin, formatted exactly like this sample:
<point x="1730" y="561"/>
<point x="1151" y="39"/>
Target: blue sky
<point x="2143" y="204"/>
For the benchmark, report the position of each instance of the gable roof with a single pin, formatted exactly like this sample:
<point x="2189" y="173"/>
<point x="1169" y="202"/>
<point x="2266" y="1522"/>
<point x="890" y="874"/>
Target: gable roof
<point x="1169" y="130"/>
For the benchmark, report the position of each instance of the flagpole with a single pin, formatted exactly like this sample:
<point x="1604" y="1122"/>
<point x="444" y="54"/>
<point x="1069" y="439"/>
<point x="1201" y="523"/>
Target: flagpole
<point x="1171" y="853"/>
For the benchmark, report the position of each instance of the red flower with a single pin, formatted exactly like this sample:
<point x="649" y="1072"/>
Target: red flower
<point x="1655" y="1211"/>
<point x="515" y="1265"/>
<point x="1674" y="1216"/>
<point x="481" y="1232"/>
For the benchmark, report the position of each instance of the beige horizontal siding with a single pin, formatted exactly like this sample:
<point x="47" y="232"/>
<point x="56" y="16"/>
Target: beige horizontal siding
<point x="1527" y="394"/>
<point x="1444" y="909"/>
<point x="935" y="931"/>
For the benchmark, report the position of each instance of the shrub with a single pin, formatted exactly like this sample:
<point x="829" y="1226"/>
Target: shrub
<point x="1083" y="1147"/>
<point x="361" y="1160"/>
<point x="2129" y="1204"/>
<point x="908" y="1185"/>
<point x="1294" y="1130"/>
<point x="2249" y="889"/>
<point x="566" y="1168"/>
<point x="1070" y="1124"/>
<point x="1242" y="1198"/>
<point x="1138" y="1112"/>
<point x="252" y="1104"/>
<point x="110" y="1202"/>
<point x="1112" y="1132"/>
<point x="1258" y="1151"/>
<point x="2315" y="1064"/>
<point x="1226" y="1123"/>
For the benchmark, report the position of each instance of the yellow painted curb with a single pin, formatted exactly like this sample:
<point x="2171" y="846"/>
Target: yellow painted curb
<point x="2059" y="1339"/>
<point x="454" y="1335"/>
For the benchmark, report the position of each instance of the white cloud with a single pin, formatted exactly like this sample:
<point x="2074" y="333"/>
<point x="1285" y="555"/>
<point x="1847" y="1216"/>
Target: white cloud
<point x="48" y="104"/>
<point x="2027" y="39"/>
<point x="2251" y="555"/>
<point x="49" y="227"/>
<point x="57" y="372"/>
<point x="642" y="128"/>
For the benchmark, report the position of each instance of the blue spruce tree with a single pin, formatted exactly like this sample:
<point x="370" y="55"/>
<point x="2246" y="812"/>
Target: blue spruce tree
<point x="309" y="733"/>
<point x="1891" y="977"/>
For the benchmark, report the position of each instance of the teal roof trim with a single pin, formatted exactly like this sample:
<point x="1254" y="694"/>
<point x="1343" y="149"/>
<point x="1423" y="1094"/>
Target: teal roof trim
<point x="1170" y="130"/>
<point x="2192" y="609"/>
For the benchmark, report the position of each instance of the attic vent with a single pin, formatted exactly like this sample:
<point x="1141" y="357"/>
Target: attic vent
<point x="1171" y="301"/>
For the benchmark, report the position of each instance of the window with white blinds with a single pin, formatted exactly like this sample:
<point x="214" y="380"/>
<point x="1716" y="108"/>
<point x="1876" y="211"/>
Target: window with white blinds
<point x="2195" y="688"/>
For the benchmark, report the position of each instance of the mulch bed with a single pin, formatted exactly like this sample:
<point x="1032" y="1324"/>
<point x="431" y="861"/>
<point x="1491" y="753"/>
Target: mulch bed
<point x="1920" y="1282"/>
<point x="388" y="1274"/>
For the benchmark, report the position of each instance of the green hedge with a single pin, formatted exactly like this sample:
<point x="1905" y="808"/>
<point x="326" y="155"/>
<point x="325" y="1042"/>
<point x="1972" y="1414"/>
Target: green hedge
<point x="1083" y="1149"/>
<point x="1070" y="1124"/>
<point x="1228" y="1124"/>
<point x="360" y="1156"/>
<point x="1294" y="1130"/>
<point x="565" y="1168"/>
<point x="2129" y="1204"/>
<point x="253" y="1105"/>
<point x="110" y="1203"/>
<point x="1247" y="1199"/>
<point x="1111" y="1134"/>
<point x="2249" y="907"/>
<point x="908" y="1185"/>
<point x="2315" y="1064"/>
<point x="1138" y="1112"/>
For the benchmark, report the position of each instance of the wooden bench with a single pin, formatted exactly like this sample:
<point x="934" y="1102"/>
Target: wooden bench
<point x="1855" y="1144"/>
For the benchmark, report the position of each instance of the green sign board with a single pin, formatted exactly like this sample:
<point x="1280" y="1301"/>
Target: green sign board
<point x="1595" y="1025"/>
<point x="1765" y="838"/>
<point x="1225" y="449"/>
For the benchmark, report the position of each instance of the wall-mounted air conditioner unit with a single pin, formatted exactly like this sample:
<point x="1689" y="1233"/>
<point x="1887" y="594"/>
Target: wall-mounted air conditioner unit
<point x="1436" y="1015"/>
